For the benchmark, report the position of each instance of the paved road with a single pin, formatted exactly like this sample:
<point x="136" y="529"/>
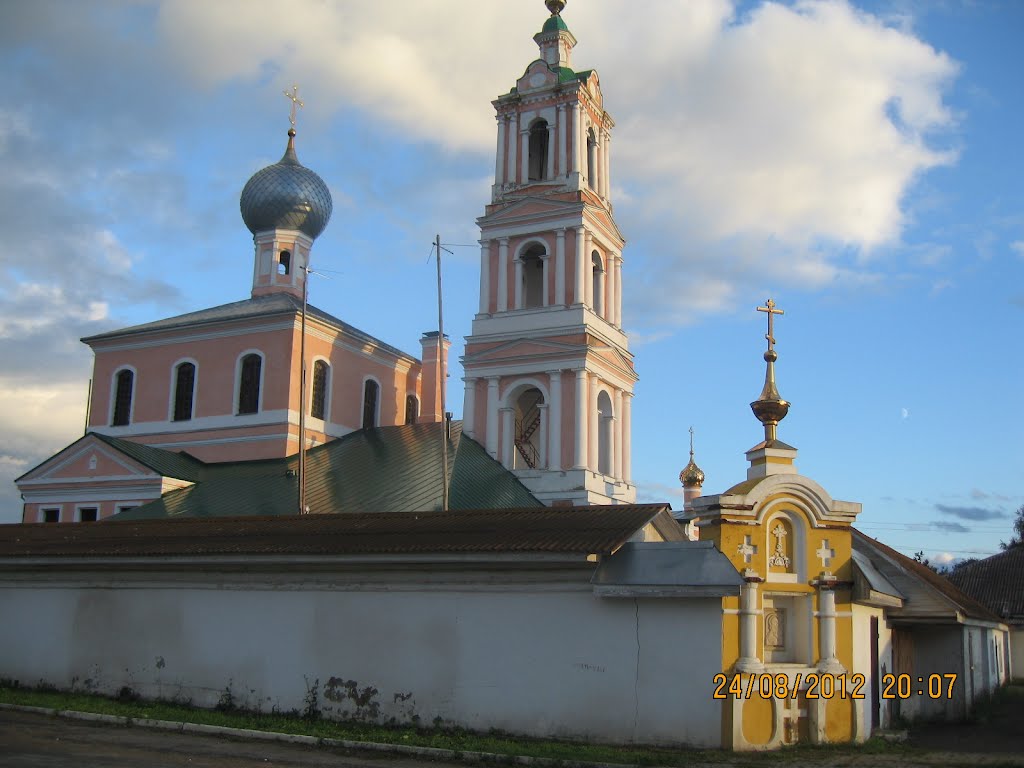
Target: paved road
<point x="38" y="741"/>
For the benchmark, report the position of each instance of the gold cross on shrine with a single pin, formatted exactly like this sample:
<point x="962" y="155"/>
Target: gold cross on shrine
<point x="293" y="97"/>
<point x="771" y="310"/>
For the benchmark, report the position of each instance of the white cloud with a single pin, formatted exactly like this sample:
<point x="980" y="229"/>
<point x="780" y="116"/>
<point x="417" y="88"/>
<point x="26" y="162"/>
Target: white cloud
<point x="1017" y="246"/>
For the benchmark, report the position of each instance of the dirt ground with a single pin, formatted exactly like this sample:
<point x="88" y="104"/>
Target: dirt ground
<point x="998" y="727"/>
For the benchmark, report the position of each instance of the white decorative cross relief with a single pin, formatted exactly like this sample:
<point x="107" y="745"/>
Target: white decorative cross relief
<point x="825" y="554"/>
<point x="779" y="557"/>
<point x="748" y="549"/>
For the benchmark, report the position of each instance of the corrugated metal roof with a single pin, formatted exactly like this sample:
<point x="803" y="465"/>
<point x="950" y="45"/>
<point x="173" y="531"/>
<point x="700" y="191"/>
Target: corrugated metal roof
<point x="996" y="581"/>
<point x="568" y="530"/>
<point x="256" y="307"/>
<point x="667" y="569"/>
<point x="927" y="594"/>
<point x="370" y="470"/>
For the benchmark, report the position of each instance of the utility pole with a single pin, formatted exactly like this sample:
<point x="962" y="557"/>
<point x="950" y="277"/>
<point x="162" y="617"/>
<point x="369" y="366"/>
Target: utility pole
<point x="441" y="376"/>
<point x="302" y="395"/>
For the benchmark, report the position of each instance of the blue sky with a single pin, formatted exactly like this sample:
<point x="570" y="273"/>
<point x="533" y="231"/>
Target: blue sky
<point x="855" y="161"/>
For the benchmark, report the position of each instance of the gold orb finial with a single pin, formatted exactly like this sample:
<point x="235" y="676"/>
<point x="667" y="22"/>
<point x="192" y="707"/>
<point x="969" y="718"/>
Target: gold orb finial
<point x="555" y="6"/>
<point x="692" y="476"/>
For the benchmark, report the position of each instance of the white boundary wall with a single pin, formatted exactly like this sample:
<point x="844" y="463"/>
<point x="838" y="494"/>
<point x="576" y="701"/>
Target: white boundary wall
<point x="526" y="650"/>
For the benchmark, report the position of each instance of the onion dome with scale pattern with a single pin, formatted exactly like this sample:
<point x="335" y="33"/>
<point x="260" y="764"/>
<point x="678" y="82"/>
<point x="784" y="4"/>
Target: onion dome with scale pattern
<point x="286" y="195"/>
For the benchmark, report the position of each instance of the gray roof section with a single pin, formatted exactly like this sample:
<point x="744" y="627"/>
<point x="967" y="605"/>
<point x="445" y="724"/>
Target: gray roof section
<point x="868" y="579"/>
<point x="180" y="466"/>
<point x="265" y="306"/>
<point x="667" y="569"/>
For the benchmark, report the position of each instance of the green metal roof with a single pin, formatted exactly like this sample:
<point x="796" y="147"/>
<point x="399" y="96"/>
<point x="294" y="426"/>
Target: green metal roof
<point x="554" y="24"/>
<point x="371" y="470"/>
<point x="180" y="466"/>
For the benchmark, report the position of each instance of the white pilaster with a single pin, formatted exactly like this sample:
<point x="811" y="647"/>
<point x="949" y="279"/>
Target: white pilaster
<point x="513" y="148"/>
<point x="607" y="165"/>
<point x="524" y="154"/>
<point x="561" y="113"/>
<point x="542" y="452"/>
<point x="555" y="422"/>
<point x="507" y="437"/>
<point x="491" y="441"/>
<point x="617" y="437"/>
<point x="581" y="406"/>
<point x="588" y="280"/>
<point x="485" y="276"/>
<point x="560" y="266"/>
<point x="469" y="408"/>
<point x="627" y="440"/>
<point x="545" y="261"/>
<point x="577" y="133"/>
<point x="594" y="424"/>
<point x="551" y="151"/>
<point x="748" y="660"/>
<point x="517" y="288"/>
<point x="499" y="162"/>
<point x="580" y="292"/>
<point x="503" y="274"/>
<point x="618" y="292"/>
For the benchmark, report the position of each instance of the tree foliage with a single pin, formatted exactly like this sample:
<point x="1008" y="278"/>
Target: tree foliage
<point x="1017" y="540"/>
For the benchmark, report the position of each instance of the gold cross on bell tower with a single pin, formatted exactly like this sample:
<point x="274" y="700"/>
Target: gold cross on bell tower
<point x="771" y="310"/>
<point x="293" y="97"/>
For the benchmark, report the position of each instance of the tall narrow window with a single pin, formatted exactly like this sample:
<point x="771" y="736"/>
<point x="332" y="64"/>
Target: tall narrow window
<point x="184" y="386"/>
<point x="318" y="407"/>
<point x="533" y="276"/>
<point x="370" y="392"/>
<point x="411" y="408"/>
<point x="538" y="150"/>
<point x="123" y="385"/>
<point x="249" y="384"/>
<point x="284" y="263"/>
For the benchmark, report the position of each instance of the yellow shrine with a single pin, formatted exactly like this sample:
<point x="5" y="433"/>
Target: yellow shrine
<point x="787" y="640"/>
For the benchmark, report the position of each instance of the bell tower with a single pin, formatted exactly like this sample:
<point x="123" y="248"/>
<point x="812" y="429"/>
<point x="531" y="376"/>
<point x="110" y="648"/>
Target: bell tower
<point x="549" y="376"/>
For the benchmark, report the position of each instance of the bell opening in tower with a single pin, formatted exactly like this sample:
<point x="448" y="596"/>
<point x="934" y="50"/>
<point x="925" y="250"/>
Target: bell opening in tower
<point x="538" y="150"/>
<point x="533" y="276"/>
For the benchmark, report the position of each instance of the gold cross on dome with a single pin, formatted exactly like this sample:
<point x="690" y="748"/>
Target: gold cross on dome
<point x="293" y="97"/>
<point x="771" y="310"/>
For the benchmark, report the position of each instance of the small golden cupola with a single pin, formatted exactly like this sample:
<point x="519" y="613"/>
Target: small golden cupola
<point x="692" y="478"/>
<point x="772" y="456"/>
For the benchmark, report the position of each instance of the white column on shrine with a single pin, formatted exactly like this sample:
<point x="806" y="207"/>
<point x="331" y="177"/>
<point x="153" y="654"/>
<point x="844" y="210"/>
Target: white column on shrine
<point x="503" y="274"/>
<point x="577" y="134"/>
<point x="551" y="151"/>
<point x="542" y="440"/>
<point x="748" y="660"/>
<point x="491" y="439"/>
<point x="513" y="148"/>
<point x="617" y="303"/>
<point x="594" y="425"/>
<point x="517" y="288"/>
<point x="582" y="401"/>
<point x="827" y="661"/>
<point x="580" y="288"/>
<point x="561" y="113"/>
<point x="469" y="407"/>
<point x="588" y="270"/>
<point x="507" y="437"/>
<point x="555" y="422"/>
<point x="627" y="440"/>
<point x="617" y="436"/>
<point x="560" y="266"/>
<point x="499" y="162"/>
<point x="545" y="263"/>
<point x="485" y="276"/>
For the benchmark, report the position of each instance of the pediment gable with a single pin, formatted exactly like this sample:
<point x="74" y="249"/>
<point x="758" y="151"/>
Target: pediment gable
<point x="521" y="348"/>
<point x="87" y="459"/>
<point x="531" y="206"/>
<point x="538" y="75"/>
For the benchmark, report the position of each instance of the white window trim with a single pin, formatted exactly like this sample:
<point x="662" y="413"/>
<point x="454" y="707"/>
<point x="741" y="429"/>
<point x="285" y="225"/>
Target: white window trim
<point x="238" y="380"/>
<point x="362" y="400"/>
<point x="113" y="395"/>
<point x="328" y="384"/>
<point x="79" y="507"/>
<point x="41" y="514"/>
<point x="173" y="388"/>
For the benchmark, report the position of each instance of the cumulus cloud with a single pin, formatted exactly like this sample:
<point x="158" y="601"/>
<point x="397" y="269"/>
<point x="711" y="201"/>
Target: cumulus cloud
<point x="975" y="514"/>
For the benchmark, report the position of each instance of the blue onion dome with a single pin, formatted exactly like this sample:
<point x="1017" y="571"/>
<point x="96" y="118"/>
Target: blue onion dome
<point x="286" y="195"/>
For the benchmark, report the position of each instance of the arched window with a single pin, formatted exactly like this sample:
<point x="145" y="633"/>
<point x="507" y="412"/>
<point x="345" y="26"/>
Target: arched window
<point x="591" y="158"/>
<point x="533" y="276"/>
<point x="598" y="277"/>
<point x="184" y="391"/>
<point x="371" y="392"/>
<point x="411" y="409"/>
<point x="538" y="150"/>
<point x="605" y="423"/>
<point x="318" y="406"/>
<point x="124" y="383"/>
<point x="249" y="384"/>
<point x="284" y="263"/>
<point x="527" y="437"/>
